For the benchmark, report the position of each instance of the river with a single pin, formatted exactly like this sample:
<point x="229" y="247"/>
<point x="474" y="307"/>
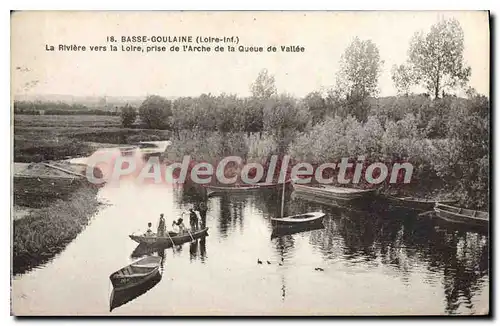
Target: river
<point x="360" y="263"/>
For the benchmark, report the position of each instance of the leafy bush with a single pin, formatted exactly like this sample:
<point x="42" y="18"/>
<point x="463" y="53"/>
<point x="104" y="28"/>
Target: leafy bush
<point x="449" y="151"/>
<point x="127" y="115"/>
<point x="155" y="112"/>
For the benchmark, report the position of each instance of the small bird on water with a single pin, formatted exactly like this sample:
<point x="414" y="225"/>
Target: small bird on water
<point x="268" y="262"/>
<point x="259" y="261"/>
<point x="319" y="269"/>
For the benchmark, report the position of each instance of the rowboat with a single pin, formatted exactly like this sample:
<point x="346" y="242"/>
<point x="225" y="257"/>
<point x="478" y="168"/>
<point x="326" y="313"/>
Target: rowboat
<point x="119" y="297"/>
<point x="243" y="188"/>
<point x="136" y="273"/>
<point x="416" y="204"/>
<point x="311" y="218"/>
<point x="462" y="215"/>
<point x="336" y="193"/>
<point x="172" y="238"/>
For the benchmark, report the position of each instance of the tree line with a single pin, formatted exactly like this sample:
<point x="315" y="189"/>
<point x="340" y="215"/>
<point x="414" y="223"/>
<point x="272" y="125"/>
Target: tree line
<point x="434" y="63"/>
<point x="57" y="108"/>
<point x="445" y="137"/>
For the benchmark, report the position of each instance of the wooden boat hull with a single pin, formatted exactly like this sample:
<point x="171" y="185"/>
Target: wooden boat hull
<point x="172" y="240"/>
<point x="136" y="273"/>
<point x="335" y="193"/>
<point x="119" y="297"/>
<point x="414" y="204"/>
<point x="462" y="216"/>
<point x="307" y="219"/>
<point x="245" y="188"/>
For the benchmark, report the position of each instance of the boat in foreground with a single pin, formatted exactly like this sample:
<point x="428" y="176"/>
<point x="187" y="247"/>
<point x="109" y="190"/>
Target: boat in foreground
<point x="136" y="273"/>
<point x="119" y="297"/>
<point x="415" y="204"/>
<point x="332" y="192"/>
<point x="462" y="215"/>
<point x="243" y="188"/>
<point x="172" y="238"/>
<point x="306" y="219"/>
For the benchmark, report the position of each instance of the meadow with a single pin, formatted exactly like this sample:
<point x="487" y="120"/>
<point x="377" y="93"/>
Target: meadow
<point x="66" y="121"/>
<point x="53" y="137"/>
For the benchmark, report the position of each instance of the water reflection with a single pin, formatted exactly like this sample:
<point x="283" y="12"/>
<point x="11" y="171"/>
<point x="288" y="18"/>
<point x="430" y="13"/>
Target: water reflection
<point x="402" y="241"/>
<point x="198" y="250"/>
<point x="358" y="261"/>
<point x="279" y="232"/>
<point x="405" y="242"/>
<point x="230" y="212"/>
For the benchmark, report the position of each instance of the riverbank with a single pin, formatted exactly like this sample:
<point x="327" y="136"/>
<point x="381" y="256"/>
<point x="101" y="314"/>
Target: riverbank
<point x="44" y="232"/>
<point x="52" y="203"/>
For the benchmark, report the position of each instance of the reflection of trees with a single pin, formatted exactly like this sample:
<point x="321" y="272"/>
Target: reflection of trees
<point x="284" y="245"/>
<point x="190" y="193"/>
<point x="402" y="242"/>
<point x="269" y="202"/>
<point x="231" y="211"/>
<point x="465" y="265"/>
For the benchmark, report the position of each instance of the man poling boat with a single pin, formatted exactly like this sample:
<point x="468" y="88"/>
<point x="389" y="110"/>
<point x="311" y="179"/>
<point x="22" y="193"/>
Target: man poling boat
<point x="161" y="226"/>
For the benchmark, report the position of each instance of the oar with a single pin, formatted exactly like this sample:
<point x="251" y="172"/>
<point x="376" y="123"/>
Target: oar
<point x="170" y="238"/>
<point x="192" y="239"/>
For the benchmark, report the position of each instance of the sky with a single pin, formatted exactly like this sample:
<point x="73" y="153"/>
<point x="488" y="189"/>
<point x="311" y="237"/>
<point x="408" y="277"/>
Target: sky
<point x="324" y="35"/>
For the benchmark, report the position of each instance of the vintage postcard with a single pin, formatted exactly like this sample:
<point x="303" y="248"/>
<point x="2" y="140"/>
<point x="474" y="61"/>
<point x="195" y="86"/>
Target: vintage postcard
<point x="250" y="163"/>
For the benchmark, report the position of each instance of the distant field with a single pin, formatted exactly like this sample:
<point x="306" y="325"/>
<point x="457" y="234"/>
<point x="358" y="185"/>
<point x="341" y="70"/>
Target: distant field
<point x="52" y="137"/>
<point x="68" y="121"/>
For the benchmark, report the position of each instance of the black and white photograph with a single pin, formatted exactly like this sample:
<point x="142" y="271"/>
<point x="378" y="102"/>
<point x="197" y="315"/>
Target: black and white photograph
<point x="250" y="163"/>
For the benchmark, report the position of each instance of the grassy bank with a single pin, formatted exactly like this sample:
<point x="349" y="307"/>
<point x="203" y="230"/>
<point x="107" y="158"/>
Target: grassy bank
<point x="46" y="231"/>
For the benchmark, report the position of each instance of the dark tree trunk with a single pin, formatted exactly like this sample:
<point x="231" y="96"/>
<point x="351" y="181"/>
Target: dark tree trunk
<point x="436" y="88"/>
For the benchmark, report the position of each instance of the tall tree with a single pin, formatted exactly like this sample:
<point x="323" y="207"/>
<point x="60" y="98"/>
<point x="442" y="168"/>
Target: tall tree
<point x="437" y="57"/>
<point x="360" y="67"/>
<point x="155" y="112"/>
<point x="357" y="79"/>
<point x="316" y="105"/>
<point x="127" y="115"/>
<point x="402" y="77"/>
<point x="264" y="86"/>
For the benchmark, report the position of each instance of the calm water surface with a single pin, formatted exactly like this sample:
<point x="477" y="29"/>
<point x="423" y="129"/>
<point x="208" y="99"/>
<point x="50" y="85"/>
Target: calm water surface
<point x="371" y="264"/>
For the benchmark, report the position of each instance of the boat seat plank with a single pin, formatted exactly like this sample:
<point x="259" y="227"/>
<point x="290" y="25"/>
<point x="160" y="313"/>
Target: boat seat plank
<point x="132" y="275"/>
<point x="152" y="265"/>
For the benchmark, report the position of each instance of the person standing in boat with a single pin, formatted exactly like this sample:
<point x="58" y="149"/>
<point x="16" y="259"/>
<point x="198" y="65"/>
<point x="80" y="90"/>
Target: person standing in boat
<point x="193" y="219"/>
<point x="180" y="225"/>
<point x="149" y="232"/>
<point x="202" y="208"/>
<point x="161" y="226"/>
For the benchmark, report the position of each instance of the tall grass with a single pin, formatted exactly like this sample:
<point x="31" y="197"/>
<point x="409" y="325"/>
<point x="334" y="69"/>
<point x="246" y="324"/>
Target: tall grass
<point x="45" y="232"/>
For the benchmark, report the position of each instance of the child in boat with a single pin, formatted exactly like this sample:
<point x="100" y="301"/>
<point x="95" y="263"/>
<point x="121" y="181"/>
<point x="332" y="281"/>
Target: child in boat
<point x="149" y="233"/>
